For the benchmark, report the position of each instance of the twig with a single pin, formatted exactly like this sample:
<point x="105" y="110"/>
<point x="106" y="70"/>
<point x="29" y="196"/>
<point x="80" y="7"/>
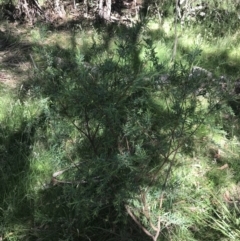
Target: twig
<point x="176" y="37"/>
<point x="159" y="219"/>
<point x="58" y="173"/>
<point x="159" y="14"/>
<point x="138" y="223"/>
<point x="33" y="62"/>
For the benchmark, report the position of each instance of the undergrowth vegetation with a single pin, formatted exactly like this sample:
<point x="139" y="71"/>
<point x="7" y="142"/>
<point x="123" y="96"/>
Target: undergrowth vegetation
<point x="114" y="138"/>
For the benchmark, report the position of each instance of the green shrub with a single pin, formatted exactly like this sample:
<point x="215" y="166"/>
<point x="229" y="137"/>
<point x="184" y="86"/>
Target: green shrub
<point x="132" y="130"/>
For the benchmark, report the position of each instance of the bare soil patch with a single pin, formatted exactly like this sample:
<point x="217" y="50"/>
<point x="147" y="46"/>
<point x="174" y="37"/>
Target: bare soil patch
<point x="15" y="48"/>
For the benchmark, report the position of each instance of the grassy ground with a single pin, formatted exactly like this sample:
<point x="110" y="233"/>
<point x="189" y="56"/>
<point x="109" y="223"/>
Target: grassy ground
<point x="35" y="143"/>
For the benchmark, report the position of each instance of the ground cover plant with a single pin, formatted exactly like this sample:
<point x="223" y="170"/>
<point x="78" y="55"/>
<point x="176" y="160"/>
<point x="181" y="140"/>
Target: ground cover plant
<point x="122" y="133"/>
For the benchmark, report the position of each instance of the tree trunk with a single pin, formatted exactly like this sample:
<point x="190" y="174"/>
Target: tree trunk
<point x="86" y="8"/>
<point x="108" y="9"/>
<point x="56" y="6"/>
<point x="104" y="7"/>
<point x="100" y="8"/>
<point x="28" y="10"/>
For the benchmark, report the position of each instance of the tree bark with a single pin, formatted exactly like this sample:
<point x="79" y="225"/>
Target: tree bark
<point x="100" y="8"/>
<point x="108" y="9"/>
<point x="28" y="10"/>
<point x="56" y="5"/>
<point x="104" y="7"/>
<point x="86" y="8"/>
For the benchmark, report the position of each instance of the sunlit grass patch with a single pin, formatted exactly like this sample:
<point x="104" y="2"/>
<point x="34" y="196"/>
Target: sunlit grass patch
<point x="43" y="164"/>
<point x="5" y="101"/>
<point x="14" y="112"/>
<point x="219" y="53"/>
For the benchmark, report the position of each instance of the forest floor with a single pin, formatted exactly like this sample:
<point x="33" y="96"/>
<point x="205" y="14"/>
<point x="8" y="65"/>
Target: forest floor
<point x="14" y="63"/>
<point x="19" y="58"/>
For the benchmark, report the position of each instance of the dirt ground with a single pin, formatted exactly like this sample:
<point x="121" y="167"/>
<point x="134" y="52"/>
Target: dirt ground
<point x="14" y="54"/>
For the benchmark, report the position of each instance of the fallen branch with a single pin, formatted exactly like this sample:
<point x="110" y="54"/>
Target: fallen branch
<point x="138" y="223"/>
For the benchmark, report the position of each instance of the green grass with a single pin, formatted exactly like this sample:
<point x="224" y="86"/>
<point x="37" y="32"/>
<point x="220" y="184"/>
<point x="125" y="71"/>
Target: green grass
<point x="219" y="53"/>
<point x="16" y="135"/>
<point x="36" y="141"/>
